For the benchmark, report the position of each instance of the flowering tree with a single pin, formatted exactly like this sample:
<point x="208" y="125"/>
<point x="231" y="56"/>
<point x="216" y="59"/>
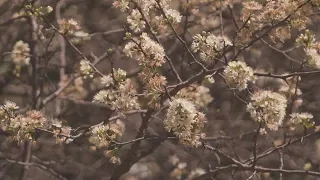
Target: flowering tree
<point x="228" y="86"/>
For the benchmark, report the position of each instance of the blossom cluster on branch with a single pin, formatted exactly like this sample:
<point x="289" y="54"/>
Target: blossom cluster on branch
<point x="22" y="127"/>
<point x="268" y="107"/>
<point x="209" y="46"/>
<point x="185" y="121"/>
<point x="119" y="93"/>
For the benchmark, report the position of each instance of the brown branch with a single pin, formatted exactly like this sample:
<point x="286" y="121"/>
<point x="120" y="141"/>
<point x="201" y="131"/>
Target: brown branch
<point x="257" y="169"/>
<point x="12" y="20"/>
<point x="51" y="171"/>
<point x="216" y="150"/>
<point x="284" y="77"/>
<point x="62" y="42"/>
<point x="130" y="156"/>
<point x="110" y="32"/>
<point x="255" y="139"/>
<point x="283" y="52"/>
<point x="233" y="18"/>
<point x="272" y="150"/>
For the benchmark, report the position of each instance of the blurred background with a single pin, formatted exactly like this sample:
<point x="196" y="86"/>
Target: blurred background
<point x="231" y="128"/>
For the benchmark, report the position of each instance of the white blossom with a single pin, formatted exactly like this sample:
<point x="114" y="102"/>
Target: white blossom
<point x="21" y="53"/>
<point x="68" y="26"/>
<point x="307" y="39"/>
<point x="86" y="69"/>
<point x="104" y="96"/>
<point x="173" y="15"/>
<point x="199" y="95"/>
<point x="313" y="57"/>
<point x="268" y="107"/>
<point x="146" y="51"/>
<point x="119" y="74"/>
<point x="145" y="5"/>
<point x="123" y="5"/>
<point x="102" y="135"/>
<point x="209" y="46"/>
<point x="24" y="126"/>
<point x="135" y="21"/>
<point x="9" y="105"/>
<point x="120" y="98"/>
<point x="6" y="112"/>
<point x="185" y="122"/>
<point x="304" y="119"/>
<point x="107" y="80"/>
<point x="238" y="74"/>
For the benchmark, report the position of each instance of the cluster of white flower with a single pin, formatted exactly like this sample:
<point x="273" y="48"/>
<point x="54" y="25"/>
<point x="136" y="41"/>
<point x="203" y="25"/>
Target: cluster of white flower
<point x="258" y="14"/>
<point x="304" y="119"/>
<point x="146" y="51"/>
<point x="121" y="96"/>
<point x="311" y="47"/>
<point x="238" y="74"/>
<point x="150" y="55"/>
<point x="313" y="57"/>
<point x="69" y="26"/>
<point x="102" y="135"/>
<point x="107" y="80"/>
<point x="21" y="53"/>
<point x="135" y="20"/>
<point x="306" y="39"/>
<point x="200" y="95"/>
<point x="9" y="106"/>
<point x="146" y="5"/>
<point x="123" y="5"/>
<point x="154" y="85"/>
<point x="24" y="126"/>
<point x="209" y="45"/>
<point x="173" y="16"/>
<point x="86" y="69"/>
<point x="117" y="76"/>
<point x="185" y="122"/>
<point x="268" y="107"/>
<point x="6" y="113"/>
